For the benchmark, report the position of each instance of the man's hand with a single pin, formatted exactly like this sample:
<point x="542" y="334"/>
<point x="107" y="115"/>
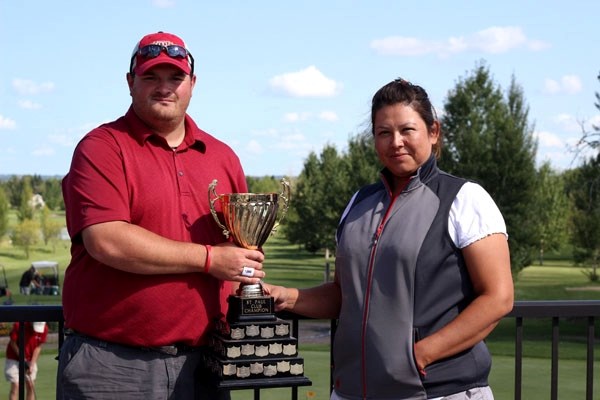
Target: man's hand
<point x="232" y="263"/>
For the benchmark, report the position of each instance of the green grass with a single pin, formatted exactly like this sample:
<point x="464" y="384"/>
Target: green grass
<point x="46" y="377"/>
<point x="13" y="263"/>
<point x="536" y="379"/>
<point x="290" y="265"/>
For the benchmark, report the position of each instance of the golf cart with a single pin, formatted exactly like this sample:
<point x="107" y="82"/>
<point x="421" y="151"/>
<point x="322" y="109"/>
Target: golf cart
<point x="48" y="277"/>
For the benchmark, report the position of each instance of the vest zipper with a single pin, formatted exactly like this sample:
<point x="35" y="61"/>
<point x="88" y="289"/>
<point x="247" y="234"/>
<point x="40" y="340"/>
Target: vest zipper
<point x="376" y="237"/>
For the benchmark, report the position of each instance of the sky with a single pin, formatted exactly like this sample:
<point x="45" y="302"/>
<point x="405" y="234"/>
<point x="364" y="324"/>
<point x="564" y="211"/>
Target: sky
<point x="277" y="80"/>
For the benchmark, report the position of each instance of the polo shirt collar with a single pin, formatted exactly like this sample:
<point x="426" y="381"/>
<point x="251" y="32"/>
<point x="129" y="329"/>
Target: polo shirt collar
<point x="194" y="136"/>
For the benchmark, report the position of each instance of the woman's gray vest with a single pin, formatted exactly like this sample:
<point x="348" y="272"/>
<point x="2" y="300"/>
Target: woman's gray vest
<point x="398" y="286"/>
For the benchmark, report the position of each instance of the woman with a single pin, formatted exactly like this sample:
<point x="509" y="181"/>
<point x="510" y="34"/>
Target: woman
<point x="422" y="269"/>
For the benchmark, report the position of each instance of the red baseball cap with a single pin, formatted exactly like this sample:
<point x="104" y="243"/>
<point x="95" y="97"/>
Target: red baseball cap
<point x="141" y="63"/>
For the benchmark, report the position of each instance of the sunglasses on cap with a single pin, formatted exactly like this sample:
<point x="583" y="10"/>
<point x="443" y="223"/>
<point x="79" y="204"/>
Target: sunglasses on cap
<point x="154" y="50"/>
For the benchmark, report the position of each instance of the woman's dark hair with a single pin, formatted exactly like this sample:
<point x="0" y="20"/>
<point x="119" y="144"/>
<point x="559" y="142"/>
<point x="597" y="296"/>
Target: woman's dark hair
<point x="402" y="91"/>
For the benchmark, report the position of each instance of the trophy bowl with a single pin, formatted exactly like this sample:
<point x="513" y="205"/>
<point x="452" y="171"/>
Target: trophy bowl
<point x="249" y="218"/>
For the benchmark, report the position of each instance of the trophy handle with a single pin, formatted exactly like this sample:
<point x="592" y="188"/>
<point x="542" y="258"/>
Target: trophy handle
<point x="284" y="198"/>
<point x="211" y="202"/>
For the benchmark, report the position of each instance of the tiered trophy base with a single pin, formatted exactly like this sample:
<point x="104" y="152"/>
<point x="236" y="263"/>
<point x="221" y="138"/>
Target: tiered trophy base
<point x="251" y="354"/>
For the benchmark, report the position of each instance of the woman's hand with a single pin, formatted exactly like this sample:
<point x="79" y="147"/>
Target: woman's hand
<point x="280" y="294"/>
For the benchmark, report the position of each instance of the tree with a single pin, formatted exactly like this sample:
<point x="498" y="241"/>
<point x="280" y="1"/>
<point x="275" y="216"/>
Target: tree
<point x="362" y="162"/>
<point x="551" y="209"/>
<point x="488" y="139"/>
<point x="590" y="139"/>
<point x="318" y="200"/>
<point x="584" y="190"/>
<point x="265" y="184"/>
<point x="14" y="190"/>
<point x="324" y="188"/>
<point x="52" y="193"/>
<point x="50" y="227"/>
<point x="25" y="210"/>
<point x="25" y="234"/>
<point x="4" y="208"/>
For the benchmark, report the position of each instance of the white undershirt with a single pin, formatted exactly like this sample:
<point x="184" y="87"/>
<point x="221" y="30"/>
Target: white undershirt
<point x="473" y="216"/>
<point x="335" y="396"/>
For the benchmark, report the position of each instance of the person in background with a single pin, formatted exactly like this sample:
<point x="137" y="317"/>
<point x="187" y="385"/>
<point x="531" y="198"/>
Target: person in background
<point x="29" y="280"/>
<point x="36" y="334"/>
<point x="422" y="271"/>
<point x="150" y="268"/>
<point x="4" y="291"/>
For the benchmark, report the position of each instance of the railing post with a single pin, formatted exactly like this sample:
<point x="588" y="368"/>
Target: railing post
<point x="331" y="338"/>
<point x="554" y="373"/>
<point x="518" y="357"/>
<point x="21" y="343"/>
<point x="589" y="380"/>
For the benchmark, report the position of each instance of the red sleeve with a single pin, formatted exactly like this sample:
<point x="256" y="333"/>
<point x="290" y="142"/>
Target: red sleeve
<point x="14" y="332"/>
<point x="95" y="188"/>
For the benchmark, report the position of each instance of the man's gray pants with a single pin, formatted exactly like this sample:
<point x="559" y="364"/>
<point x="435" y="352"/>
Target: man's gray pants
<point x="93" y="369"/>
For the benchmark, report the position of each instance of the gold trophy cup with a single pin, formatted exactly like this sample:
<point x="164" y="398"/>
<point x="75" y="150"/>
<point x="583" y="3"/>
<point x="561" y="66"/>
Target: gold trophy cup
<point x="250" y="218"/>
<point x="253" y="348"/>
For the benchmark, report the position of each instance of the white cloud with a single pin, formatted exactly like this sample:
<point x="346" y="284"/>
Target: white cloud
<point x="62" y="140"/>
<point x="551" y="86"/>
<point x="537" y="45"/>
<point x="7" y="123"/>
<point x="290" y="142"/>
<point x="497" y="40"/>
<point x="493" y="40"/>
<point x="163" y="3"/>
<point x="29" y="105"/>
<point x="329" y="116"/>
<point x="548" y="139"/>
<point x="560" y="159"/>
<point x="29" y="87"/>
<point x="309" y="82"/>
<point x="296" y="116"/>
<point x="43" y="151"/>
<point x="569" y="84"/>
<point x="271" y="133"/>
<point x="253" y="147"/>
<point x="568" y="122"/>
<point x="403" y="46"/>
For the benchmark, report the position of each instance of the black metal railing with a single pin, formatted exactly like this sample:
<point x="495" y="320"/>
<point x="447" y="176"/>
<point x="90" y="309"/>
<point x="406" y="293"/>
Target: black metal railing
<point x="554" y="310"/>
<point x="22" y="314"/>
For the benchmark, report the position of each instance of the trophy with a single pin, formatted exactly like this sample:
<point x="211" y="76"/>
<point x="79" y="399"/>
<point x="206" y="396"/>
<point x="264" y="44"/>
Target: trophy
<point x="250" y="219"/>
<point x="252" y="347"/>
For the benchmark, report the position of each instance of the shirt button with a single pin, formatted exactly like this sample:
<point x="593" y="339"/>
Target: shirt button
<point x="180" y="173"/>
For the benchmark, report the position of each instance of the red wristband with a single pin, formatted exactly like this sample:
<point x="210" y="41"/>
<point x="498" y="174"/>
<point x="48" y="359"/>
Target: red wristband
<point x="207" y="260"/>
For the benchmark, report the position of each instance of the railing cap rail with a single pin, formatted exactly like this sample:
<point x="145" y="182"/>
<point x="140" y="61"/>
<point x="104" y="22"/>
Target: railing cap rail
<point x="12" y="313"/>
<point x="555" y="308"/>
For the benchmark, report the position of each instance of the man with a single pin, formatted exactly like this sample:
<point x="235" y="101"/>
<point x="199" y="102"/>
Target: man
<point x="35" y="335"/>
<point x="29" y="280"/>
<point x="149" y="272"/>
